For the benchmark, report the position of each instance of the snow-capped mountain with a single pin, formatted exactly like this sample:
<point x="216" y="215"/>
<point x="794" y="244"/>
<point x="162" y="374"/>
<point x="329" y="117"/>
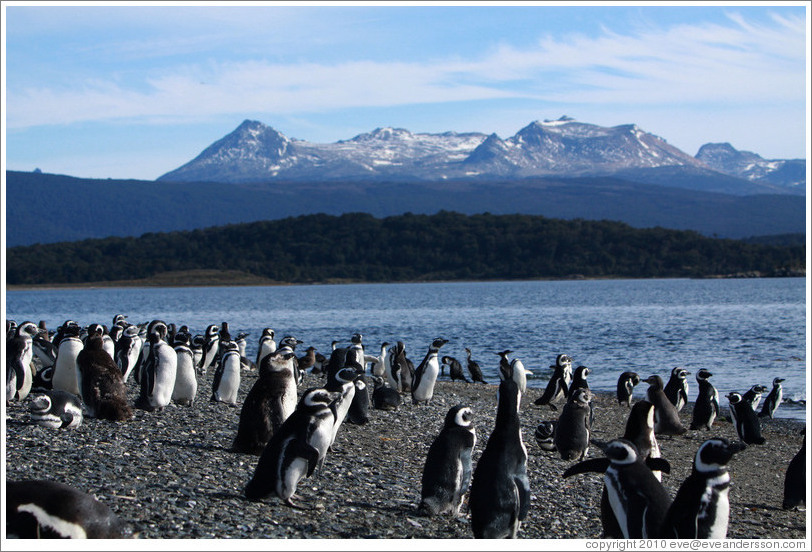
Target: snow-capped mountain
<point x="255" y="152"/>
<point x="746" y="164"/>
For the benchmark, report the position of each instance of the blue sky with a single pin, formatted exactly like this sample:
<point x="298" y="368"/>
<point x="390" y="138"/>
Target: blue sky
<point x="134" y="91"/>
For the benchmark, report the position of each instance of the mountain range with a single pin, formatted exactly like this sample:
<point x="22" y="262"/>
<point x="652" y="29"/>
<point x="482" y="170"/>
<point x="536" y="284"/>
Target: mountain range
<point x="257" y="153"/>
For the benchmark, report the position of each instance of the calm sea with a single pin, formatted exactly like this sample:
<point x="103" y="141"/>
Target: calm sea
<point x="745" y="331"/>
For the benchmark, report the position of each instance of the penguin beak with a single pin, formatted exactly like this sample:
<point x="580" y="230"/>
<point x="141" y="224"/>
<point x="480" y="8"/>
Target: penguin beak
<point x="738" y="446"/>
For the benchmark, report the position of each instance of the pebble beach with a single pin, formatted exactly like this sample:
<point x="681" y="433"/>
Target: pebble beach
<point x="171" y="475"/>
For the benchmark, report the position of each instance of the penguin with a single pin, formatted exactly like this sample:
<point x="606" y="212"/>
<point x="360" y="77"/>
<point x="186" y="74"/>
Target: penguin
<point x="773" y="400"/>
<point x="269" y="402"/>
<point x="378" y="368"/>
<point x="49" y="510"/>
<point x="448" y="467"/>
<point x="159" y="370"/>
<point x="383" y="396"/>
<point x="356" y="350"/>
<point x="638" y="501"/>
<point x="185" y="389"/>
<point x="120" y="320"/>
<point x="625" y="387"/>
<point x="753" y="396"/>
<point x="513" y="369"/>
<point x="499" y="498"/>
<point x="795" y="480"/>
<point x="296" y="449"/>
<point x="701" y="508"/>
<point x="211" y="347"/>
<point x="67" y="327"/>
<point x="267" y="345"/>
<point x="45" y="353"/>
<point x="666" y="417"/>
<point x="343" y="383"/>
<point x="558" y="386"/>
<point x="574" y="426"/>
<point x="402" y="368"/>
<point x="107" y="341"/>
<point x="56" y="409"/>
<point x="128" y="350"/>
<point x="473" y="368"/>
<point x="19" y="354"/>
<point x="288" y="344"/>
<point x="226" y="382"/>
<point x="358" y="412"/>
<point x="102" y="388"/>
<point x="748" y="425"/>
<point x="706" y="407"/>
<point x="579" y="379"/>
<point x="241" y="342"/>
<point x="65" y="368"/>
<point x="454" y="368"/>
<point x="425" y="376"/>
<point x="544" y="435"/>
<point x="677" y="387"/>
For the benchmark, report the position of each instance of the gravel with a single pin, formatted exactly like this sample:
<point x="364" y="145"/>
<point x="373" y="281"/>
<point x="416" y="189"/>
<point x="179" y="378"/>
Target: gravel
<point x="170" y="474"/>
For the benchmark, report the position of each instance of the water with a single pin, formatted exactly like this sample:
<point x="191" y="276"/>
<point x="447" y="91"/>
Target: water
<point x="745" y="331"/>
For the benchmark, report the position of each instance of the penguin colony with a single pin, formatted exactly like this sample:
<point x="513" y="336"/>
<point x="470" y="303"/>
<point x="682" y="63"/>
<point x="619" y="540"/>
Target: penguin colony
<point x="292" y="430"/>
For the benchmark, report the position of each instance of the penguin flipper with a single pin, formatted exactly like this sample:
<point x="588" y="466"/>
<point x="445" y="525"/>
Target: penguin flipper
<point x="594" y="465"/>
<point x="311" y="456"/>
<point x="523" y="486"/>
<point x="658" y="464"/>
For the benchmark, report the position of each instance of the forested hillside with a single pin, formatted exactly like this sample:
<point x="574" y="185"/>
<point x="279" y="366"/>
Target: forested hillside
<point x="445" y="246"/>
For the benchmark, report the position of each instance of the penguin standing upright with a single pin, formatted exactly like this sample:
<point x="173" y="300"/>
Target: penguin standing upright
<point x="448" y="467"/>
<point x="574" y="426"/>
<point x="638" y="501"/>
<point x="513" y="369"/>
<point x="402" y="368"/>
<point x="773" y="400"/>
<point x="358" y="412"/>
<point x="677" y="387"/>
<point x="226" y="383"/>
<point x="128" y="351"/>
<point x="296" y="449"/>
<point x="340" y="380"/>
<point x="795" y="480"/>
<point x="211" y="347"/>
<point x="706" y="407"/>
<point x="185" y="389"/>
<point x="666" y="417"/>
<point x="288" y="345"/>
<point x="454" y="368"/>
<point x="701" y="508"/>
<point x="19" y="353"/>
<point x="356" y="350"/>
<point x="45" y="355"/>
<point x="159" y="370"/>
<point x="748" y="425"/>
<point x="579" y="379"/>
<point x="425" y="376"/>
<point x="65" y="371"/>
<point x="499" y="499"/>
<point x="267" y="345"/>
<point x="473" y="368"/>
<point x="559" y="384"/>
<point x="56" y="409"/>
<point x="753" y="396"/>
<point x="269" y="402"/>
<point x="102" y="387"/>
<point x="107" y="341"/>
<point x="41" y="509"/>
<point x="625" y="387"/>
<point x="378" y="368"/>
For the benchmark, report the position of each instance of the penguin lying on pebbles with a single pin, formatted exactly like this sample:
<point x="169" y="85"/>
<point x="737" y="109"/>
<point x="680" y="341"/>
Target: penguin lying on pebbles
<point x="56" y="409"/>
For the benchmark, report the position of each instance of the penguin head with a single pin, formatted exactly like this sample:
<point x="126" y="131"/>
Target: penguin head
<point x="278" y="361"/>
<point x="680" y="373"/>
<point x="40" y="403"/>
<point x="714" y="454"/>
<point x="159" y="328"/>
<point x="356" y="338"/>
<point x="290" y="341"/>
<point x="213" y="331"/>
<point x="318" y="397"/>
<point x="384" y="345"/>
<point x="621" y="452"/>
<point x="446" y="360"/>
<point x="459" y="416"/>
<point x="734" y="398"/>
<point x="119" y="320"/>
<point x="581" y="397"/>
<point x="545" y="430"/>
<point x="438" y="342"/>
<point x="583" y="371"/>
<point x="758" y="389"/>
<point x="777" y="382"/>
<point x="346" y="375"/>
<point x="654" y="381"/>
<point x="564" y="361"/>
<point x="27" y="329"/>
<point x="703" y="374"/>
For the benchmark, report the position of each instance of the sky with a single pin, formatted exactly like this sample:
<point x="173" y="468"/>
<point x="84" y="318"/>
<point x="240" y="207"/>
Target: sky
<point x="135" y="90"/>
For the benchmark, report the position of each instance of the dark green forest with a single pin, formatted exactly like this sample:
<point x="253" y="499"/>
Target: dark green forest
<point x="444" y="246"/>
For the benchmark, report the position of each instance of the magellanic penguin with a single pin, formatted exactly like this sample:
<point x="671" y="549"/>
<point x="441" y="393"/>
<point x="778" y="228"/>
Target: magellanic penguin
<point x="579" y="380"/>
<point x="677" y="387"/>
<point x="358" y="412"/>
<point x="267" y="345"/>
<point x="473" y="368"/>
<point x="753" y="396"/>
<point x="513" y="369"/>
<point x="107" y="341"/>
<point x="185" y="389"/>
<point x="211" y="347"/>
<point x="795" y="480"/>
<point x="499" y="499"/>
<point x="159" y="370"/>
<point x="65" y="371"/>
<point x="454" y="368"/>
<point x="19" y="353"/>
<point x="343" y="383"/>
<point x="773" y="400"/>
<point x="748" y="425"/>
<point x="625" y="387"/>
<point x="425" y="376"/>
<point x="226" y="384"/>
<point x="402" y="368"/>
<point x="638" y="501"/>
<point x="128" y="350"/>
<point x="39" y="509"/>
<point x="544" y="435"/>
<point x="296" y="449"/>
<point x="270" y="401"/>
<point x="448" y="467"/>
<point x="574" y="426"/>
<point x="56" y="409"/>
<point x="706" y="407"/>
<point x="559" y="384"/>
<point x="356" y="350"/>
<point x="701" y="509"/>
<point x="383" y="396"/>
<point x="666" y="417"/>
<point x="288" y="344"/>
<point x="102" y="387"/>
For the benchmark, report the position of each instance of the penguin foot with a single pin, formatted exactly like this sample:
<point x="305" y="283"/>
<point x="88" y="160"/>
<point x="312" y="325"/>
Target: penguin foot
<point x="292" y="504"/>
